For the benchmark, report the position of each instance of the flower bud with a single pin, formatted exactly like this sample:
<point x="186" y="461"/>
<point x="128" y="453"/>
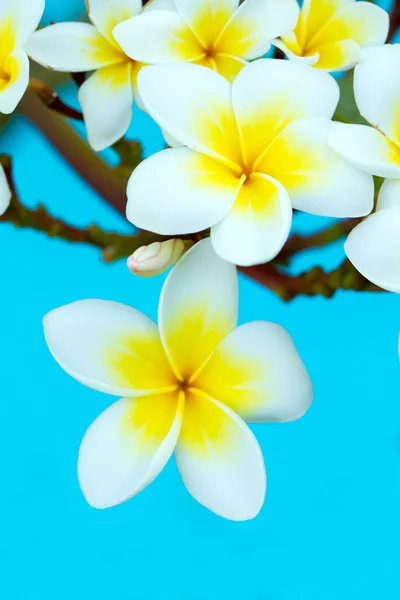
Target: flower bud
<point x="156" y="258"/>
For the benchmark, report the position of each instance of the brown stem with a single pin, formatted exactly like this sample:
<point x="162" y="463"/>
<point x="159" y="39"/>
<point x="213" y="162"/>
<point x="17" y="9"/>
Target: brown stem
<point x="298" y="243"/>
<point x="52" y="100"/>
<point x="103" y="178"/>
<point x="394" y="20"/>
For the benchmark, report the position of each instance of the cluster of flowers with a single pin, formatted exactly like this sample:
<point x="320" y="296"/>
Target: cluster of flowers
<point x="250" y="139"/>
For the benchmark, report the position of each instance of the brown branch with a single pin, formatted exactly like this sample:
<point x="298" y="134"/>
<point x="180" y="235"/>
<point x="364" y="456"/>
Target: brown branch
<point x="298" y="243"/>
<point x="394" y="20"/>
<point x="53" y="101"/>
<point x="100" y="176"/>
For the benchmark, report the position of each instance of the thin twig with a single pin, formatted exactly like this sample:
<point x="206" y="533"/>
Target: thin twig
<point x="394" y="20"/>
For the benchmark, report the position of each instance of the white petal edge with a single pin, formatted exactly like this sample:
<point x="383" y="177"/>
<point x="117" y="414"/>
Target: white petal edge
<point x="12" y="93"/>
<point x="106" y="99"/>
<point x="262" y="234"/>
<point x="277" y="388"/>
<point x="5" y="192"/>
<point x="179" y="191"/>
<point x="232" y="484"/>
<point x="389" y="194"/>
<point x="79" y="335"/>
<point x="114" y="466"/>
<point x="374" y="249"/>
<point x="366" y="149"/>
<point x="25" y="16"/>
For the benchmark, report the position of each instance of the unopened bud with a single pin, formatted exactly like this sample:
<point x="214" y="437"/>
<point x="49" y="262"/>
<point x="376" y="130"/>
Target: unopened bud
<point x="156" y="258"/>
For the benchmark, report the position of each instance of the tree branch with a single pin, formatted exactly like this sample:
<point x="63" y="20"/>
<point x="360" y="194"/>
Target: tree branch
<point x="108" y="182"/>
<point x="394" y="20"/>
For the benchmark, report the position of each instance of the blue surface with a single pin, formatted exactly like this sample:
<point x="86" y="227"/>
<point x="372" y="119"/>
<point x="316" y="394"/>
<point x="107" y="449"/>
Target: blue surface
<point x="330" y="526"/>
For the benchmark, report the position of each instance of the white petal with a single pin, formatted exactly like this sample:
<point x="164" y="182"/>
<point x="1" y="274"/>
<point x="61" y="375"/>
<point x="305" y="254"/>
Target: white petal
<point x="220" y="461"/>
<point x="255" y="24"/>
<point x="170" y="140"/>
<point x="317" y="179"/>
<point x="307" y="60"/>
<point x="374" y="249"/>
<point x="363" y="22"/>
<point x="258" y="225"/>
<point x="178" y="191"/>
<point x="389" y="194"/>
<point x="16" y="67"/>
<point x="207" y="18"/>
<point x="377" y="88"/>
<point x="257" y="372"/>
<point x="198" y="308"/>
<point x="24" y="17"/>
<point x="106" y="99"/>
<point x="281" y="92"/>
<point x="195" y="108"/>
<point x="366" y="148"/>
<point x="158" y="36"/>
<point x="5" y="192"/>
<point x="106" y="14"/>
<point x="337" y="56"/>
<point x="127" y="446"/>
<point x="109" y="347"/>
<point x="72" y="47"/>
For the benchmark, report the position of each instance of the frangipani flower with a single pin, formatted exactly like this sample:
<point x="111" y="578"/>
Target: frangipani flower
<point x="18" y="21"/>
<point x="107" y="96"/>
<point x="254" y="149"/>
<point x="5" y="192"/>
<point x="187" y="387"/>
<point x="218" y="34"/>
<point x="157" y="257"/>
<point x="373" y="246"/>
<point x="329" y="34"/>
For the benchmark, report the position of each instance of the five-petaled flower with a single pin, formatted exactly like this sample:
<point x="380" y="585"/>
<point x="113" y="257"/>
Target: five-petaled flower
<point x="5" y="192"/>
<point x="107" y="96"/>
<point x="218" y="34"/>
<point x="255" y="148"/>
<point x="188" y="387"/>
<point x="374" y="245"/>
<point x="330" y="34"/>
<point x="18" y="21"/>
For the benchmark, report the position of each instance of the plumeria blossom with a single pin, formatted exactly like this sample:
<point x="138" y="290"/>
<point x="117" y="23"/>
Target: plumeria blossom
<point x="5" y="192"/>
<point x="218" y="34"/>
<point x="330" y="34"/>
<point x="18" y="21"/>
<point x="373" y="247"/>
<point x="187" y="388"/>
<point x="107" y="95"/>
<point x="253" y="150"/>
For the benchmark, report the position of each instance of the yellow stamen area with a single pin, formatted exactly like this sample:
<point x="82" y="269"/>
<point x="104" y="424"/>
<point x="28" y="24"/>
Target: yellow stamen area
<point x="138" y="361"/>
<point x="9" y="66"/>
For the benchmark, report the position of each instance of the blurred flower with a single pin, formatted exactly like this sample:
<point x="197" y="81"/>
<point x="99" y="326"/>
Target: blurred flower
<point x="329" y="34"/>
<point x="374" y="246"/>
<point x="106" y="97"/>
<point x="5" y="192"/>
<point x="255" y="148"/>
<point x="219" y="34"/>
<point x="18" y="21"/>
<point x="187" y="387"/>
<point x="156" y="258"/>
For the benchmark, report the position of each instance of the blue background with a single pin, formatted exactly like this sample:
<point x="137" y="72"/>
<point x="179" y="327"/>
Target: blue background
<point x="330" y="525"/>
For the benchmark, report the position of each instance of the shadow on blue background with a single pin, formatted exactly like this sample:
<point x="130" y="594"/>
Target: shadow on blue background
<point x="330" y="526"/>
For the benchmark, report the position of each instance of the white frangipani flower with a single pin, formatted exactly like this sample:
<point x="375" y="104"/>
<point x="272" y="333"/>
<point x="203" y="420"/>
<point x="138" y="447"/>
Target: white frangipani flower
<point x="107" y="96"/>
<point x="5" y="192"/>
<point x="374" y="246"/>
<point x="18" y="21"/>
<point x="330" y="34"/>
<point x="218" y="34"/>
<point x="187" y="388"/>
<point x="254" y="149"/>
